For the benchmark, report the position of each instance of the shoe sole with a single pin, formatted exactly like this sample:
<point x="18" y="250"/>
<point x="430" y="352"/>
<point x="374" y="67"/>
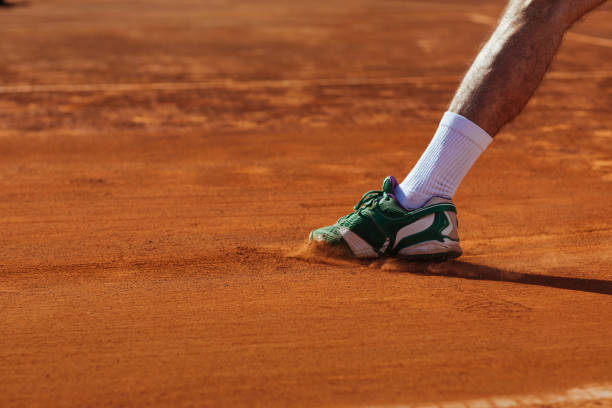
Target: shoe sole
<point x="428" y="251"/>
<point x="432" y="250"/>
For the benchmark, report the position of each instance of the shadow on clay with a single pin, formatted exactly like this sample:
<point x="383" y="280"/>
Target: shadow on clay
<point x="451" y="268"/>
<point x="467" y="270"/>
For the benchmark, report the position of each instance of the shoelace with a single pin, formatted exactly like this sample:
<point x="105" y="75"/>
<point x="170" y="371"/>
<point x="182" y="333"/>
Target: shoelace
<point x="367" y="200"/>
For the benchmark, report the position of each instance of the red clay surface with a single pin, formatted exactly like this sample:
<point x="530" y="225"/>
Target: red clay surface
<point x="161" y="164"/>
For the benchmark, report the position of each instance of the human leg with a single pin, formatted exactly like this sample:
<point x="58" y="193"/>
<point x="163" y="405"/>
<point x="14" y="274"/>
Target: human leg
<point x="417" y="218"/>
<point x="512" y="63"/>
<point x="496" y="88"/>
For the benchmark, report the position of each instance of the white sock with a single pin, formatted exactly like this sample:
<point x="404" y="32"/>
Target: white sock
<point x="457" y="144"/>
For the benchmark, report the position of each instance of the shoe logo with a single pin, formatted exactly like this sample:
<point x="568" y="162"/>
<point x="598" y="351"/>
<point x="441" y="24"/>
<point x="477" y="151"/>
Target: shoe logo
<point x="419" y="225"/>
<point x="358" y="245"/>
<point x="451" y="230"/>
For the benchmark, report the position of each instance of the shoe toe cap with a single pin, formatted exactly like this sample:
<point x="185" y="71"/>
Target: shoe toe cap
<point x="329" y="235"/>
<point x="328" y="242"/>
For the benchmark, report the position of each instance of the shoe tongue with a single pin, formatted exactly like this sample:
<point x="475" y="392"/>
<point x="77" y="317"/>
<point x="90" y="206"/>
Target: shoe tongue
<point x="389" y="185"/>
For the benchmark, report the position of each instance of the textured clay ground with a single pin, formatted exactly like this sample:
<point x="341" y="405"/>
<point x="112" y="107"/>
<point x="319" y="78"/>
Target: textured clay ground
<point x="161" y="163"/>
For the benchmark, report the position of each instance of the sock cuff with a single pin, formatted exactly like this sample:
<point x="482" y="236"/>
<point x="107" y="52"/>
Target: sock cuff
<point x="467" y="128"/>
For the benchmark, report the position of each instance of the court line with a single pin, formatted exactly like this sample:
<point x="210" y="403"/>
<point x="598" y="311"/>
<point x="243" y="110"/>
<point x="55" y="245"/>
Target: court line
<point x="589" y="393"/>
<point x="576" y="37"/>
<point x="579" y="74"/>
<point x="589" y="39"/>
<point x="262" y="84"/>
<point x="223" y="84"/>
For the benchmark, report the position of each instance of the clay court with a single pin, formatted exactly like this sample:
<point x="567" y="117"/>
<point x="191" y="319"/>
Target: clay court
<point x="162" y="163"/>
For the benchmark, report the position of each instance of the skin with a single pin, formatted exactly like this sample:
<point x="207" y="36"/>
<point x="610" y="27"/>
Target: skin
<point x="512" y="63"/>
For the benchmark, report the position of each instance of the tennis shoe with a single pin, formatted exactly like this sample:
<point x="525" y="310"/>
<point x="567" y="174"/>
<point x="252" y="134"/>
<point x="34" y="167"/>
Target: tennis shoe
<point x="379" y="226"/>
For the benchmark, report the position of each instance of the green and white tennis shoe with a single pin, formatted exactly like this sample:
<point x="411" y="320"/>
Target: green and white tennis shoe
<point x="379" y="226"/>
